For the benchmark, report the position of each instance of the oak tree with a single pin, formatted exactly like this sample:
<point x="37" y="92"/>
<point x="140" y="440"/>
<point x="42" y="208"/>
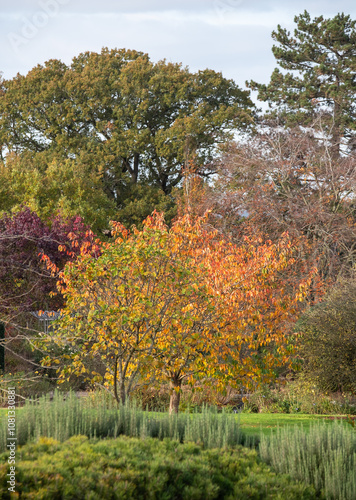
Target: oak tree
<point x="127" y="119"/>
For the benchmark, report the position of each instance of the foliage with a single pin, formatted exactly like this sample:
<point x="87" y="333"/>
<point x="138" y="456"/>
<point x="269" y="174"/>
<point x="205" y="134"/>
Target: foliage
<point x="142" y="294"/>
<point x="142" y="200"/>
<point x="325" y="457"/>
<point x="26" y="285"/>
<point x="178" y="303"/>
<point x="193" y="398"/>
<point x="128" y="468"/>
<point x="320" y="58"/>
<point x="63" y="415"/>
<point x="24" y="238"/>
<point x="112" y="120"/>
<point x="26" y="384"/>
<point x="300" y="396"/>
<point x="95" y="416"/>
<point x="283" y="180"/>
<point x="328" y="340"/>
<point x="48" y="185"/>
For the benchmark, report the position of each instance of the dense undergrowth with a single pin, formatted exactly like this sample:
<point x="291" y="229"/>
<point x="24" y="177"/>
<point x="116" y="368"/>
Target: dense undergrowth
<point x="98" y="418"/>
<point x="129" y="468"/>
<point x="110" y="453"/>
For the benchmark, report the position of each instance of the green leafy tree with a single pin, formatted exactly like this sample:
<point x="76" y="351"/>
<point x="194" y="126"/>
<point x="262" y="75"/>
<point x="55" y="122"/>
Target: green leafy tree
<point x="130" y="120"/>
<point x="320" y="59"/>
<point x="327" y="343"/>
<point x="50" y="185"/>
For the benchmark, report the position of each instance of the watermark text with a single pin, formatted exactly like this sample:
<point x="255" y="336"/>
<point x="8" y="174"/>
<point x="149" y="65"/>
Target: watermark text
<point x="31" y="25"/>
<point x="11" y="438"/>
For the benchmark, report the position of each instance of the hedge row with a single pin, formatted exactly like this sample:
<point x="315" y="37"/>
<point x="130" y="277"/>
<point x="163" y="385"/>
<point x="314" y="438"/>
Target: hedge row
<point x="130" y="468"/>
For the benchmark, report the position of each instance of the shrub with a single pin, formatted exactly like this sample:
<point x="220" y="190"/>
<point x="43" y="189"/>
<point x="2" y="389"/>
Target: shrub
<point x="324" y="455"/>
<point x="128" y="468"/>
<point x="96" y="418"/>
<point x="328" y="340"/>
<point x="300" y="396"/>
<point x="26" y="384"/>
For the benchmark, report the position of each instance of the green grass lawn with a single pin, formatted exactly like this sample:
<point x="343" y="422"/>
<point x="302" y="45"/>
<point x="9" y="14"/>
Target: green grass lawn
<point x="252" y="423"/>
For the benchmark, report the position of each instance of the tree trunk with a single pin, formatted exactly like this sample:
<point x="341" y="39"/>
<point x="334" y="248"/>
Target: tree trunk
<point x="176" y="383"/>
<point x="120" y="398"/>
<point x="122" y="393"/>
<point x="336" y="132"/>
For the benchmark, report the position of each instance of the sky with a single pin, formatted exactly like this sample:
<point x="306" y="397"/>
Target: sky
<point x="229" y="36"/>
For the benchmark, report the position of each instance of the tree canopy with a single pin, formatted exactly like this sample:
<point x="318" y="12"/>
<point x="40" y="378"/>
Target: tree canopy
<point x="320" y="61"/>
<point x="174" y="304"/>
<point x="122" y="118"/>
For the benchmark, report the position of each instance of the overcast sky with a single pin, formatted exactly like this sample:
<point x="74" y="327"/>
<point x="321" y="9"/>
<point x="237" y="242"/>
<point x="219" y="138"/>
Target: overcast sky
<point x="231" y="36"/>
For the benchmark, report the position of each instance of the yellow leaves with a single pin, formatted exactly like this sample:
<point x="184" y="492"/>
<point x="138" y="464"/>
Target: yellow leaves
<point x="187" y="308"/>
<point x="179" y="299"/>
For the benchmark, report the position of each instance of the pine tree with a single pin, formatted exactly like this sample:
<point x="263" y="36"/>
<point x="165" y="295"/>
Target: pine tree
<point x="320" y="59"/>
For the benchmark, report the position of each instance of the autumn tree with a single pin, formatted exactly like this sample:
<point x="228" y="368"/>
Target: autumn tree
<point x="283" y="180"/>
<point x="122" y="118"/>
<point x="319" y="59"/>
<point x="140" y="292"/>
<point x="175" y="304"/>
<point x="26" y="285"/>
<point x="25" y="281"/>
<point x="255" y="305"/>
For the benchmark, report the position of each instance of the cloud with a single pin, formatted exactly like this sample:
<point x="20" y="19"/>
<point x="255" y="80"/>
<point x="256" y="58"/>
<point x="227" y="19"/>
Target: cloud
<point x="95" y="6"/>
<point x="231" y="36"/>
<point x="130" y="6"/>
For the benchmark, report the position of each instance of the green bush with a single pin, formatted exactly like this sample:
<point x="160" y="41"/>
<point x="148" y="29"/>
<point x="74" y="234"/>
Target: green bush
<point x="300" y="396"/>
<point x="128" y="468"/>
<point x="324" y="455"/>
<point x="327" y="345"/>
<point x="60" y="420"/>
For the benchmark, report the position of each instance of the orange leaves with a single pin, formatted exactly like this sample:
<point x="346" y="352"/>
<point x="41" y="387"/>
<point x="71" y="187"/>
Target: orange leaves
<point x="181" y="302"/>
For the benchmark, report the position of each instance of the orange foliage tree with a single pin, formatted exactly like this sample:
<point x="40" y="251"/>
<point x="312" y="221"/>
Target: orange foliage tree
<point x="179" y="303"/>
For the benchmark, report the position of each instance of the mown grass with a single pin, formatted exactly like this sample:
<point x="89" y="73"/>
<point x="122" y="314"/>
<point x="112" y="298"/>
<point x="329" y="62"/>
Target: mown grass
<point x="255" y="423"/>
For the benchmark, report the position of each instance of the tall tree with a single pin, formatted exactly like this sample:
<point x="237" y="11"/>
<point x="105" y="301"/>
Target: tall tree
<point x="320" y="59"/>
<point x="129" y="120"/>
<point x="284" y="180"/>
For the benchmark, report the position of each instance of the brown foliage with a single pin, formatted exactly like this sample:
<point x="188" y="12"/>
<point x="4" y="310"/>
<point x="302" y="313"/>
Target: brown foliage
<point x="289" y="181"/>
